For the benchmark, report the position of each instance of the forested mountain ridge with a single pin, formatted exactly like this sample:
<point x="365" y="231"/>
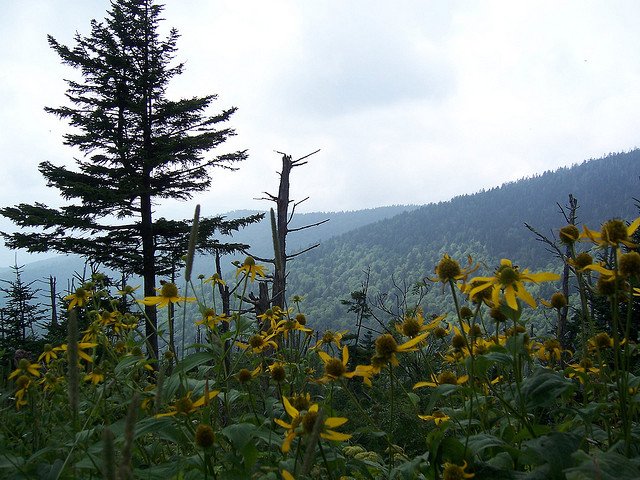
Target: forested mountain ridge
<point x="402" y="244"/>
<point x="257" y="235"/>
<point x="488" y="225"/>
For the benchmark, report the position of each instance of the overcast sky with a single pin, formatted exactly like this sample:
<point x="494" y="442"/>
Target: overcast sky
<point x="410" y="102"/>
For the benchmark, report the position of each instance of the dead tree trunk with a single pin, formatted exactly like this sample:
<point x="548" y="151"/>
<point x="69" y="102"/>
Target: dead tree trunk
<point x="52" y="297"/>
<point x="280" y="228"/>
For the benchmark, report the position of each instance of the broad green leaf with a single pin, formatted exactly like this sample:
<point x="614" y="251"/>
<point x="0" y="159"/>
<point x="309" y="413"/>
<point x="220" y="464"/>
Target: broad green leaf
<point x="482" y="441"/>
<point x="126" y="363"/>
<point x="164" y="427"/>
<point x="413" y="398"/>
<point x="240" y="434"/>
<point x="194" y="360"/>
<point x="250" y="455"/>
<point x="544" y="387"/>
<point x="554" y="450"/>
<point x="602" y="465"/>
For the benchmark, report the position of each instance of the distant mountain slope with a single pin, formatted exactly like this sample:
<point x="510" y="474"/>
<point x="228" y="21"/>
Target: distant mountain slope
<point x="257" y="235"/>
<point x="488" y="225"/>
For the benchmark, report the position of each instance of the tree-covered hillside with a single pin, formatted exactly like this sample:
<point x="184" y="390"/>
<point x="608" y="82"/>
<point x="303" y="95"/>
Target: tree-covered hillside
<point x="488" y="225"/>
<point x="257" y="235"/>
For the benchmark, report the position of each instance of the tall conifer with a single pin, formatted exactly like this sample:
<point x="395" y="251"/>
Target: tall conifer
<point x="139" y="147"/>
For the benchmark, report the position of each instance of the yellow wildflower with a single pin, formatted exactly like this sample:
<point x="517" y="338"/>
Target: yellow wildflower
<point x="444" y="378"/>
<point x="23" y="382"/>
<point x="303" y="422"/>
<point x="613" y="233"/>
<point x="258" y="343"/>
<point x="244" y="375"/>
<point x="335" y="368"/>
<point x="95" y="377"/>
<point x="215" y="279"/>
<point x="600" y="341"/>
<point x="509" y="280"/>
<point x="186" y="406"/>
<point x="437" y="417"/>
<point x="79" y="298"/>
<point x="448" y="270"/>
<point x="168" y="294"/>
<point x="386" y="348"/>
<point x="128" y="290"/>
<point x="82" y="346"/>
<point x="330" y="337"/>
<point x="413" y="325"/>
<point x="210" y="318"/>
<point x="25" y="367"/>
<point x="550" y="350"/>
<point x="250" y="269"/>
<point x="451" y="471"/>
<point x="49" y="353"/>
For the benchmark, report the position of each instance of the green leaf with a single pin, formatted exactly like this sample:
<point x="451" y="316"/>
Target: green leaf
<point x="125" y="364"/>
<point x="554" y="450"/>
<point x="544" y="387"/>
<point x="250" y="455"/>
<point x="164" y="427"/>
<point x="482" y="441"/>
<point x="194" y="360"/>
<point x="51" y="472"/>
<point x="499" y="357"/>
<point x="502" y="461"/>
<point x="602" y="465"/>
<point x="240" y="434"/>
<point x="413" y="398"/>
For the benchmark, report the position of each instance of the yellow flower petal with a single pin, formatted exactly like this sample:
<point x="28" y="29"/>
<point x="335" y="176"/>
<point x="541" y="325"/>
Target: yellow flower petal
<point x="334" y="422"/>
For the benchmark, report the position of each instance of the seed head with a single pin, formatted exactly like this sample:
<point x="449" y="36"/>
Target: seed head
<point x="583" y="260"/>
<point x="439" y="332"/>
<point x="184" y="405"/>
<point x="308" y="421"/>
<point x="386" y="346"/>
<point x="466" y="313"/>
<point x="278" y="373"/>
<point x="447" y="269"/>
<point x="256" y="341"/>
<point x="448" y="378"/>
<point x="629" y="264"/>
<point x="497" y="314"/>
<point x="22" y="382"/>
<point x="614" y="231"/>
<point x="410" y="327"/>
<point x="569" y="234"/>
<point x="169" y="290"/>
<point x="204" y="436"/>
<point x="558" y="301"/>
<point x="244" y="375"/>
<point x="602" y="340"/>
<point x="606" y="287"/>
<point x="301" y="402"/>
<point x="334" y="368"/>
<point x="586" y="363"/>
<point x="458" y="342"/>
<point x="507" y="275"/>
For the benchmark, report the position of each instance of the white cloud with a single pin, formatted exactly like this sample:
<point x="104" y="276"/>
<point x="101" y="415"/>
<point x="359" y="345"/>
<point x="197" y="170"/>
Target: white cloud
<point x="409" y="101"/>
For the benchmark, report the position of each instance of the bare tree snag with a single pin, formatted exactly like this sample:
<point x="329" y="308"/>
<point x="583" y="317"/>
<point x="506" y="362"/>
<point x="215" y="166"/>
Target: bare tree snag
<point x="280" y="227"/>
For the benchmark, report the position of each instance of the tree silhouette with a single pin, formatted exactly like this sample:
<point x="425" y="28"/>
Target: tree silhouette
<point x="139" y="146"/>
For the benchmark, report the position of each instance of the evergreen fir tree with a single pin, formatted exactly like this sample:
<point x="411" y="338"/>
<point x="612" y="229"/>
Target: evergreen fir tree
<point x="21" y="314"/>
<point x="139" y="147"/>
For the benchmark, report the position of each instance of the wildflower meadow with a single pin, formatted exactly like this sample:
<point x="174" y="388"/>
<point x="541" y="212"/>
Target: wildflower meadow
<point x="468" y="393"/>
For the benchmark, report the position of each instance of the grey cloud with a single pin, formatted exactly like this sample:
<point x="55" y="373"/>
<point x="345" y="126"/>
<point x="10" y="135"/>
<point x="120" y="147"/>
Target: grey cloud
<point x="376" y="59"/>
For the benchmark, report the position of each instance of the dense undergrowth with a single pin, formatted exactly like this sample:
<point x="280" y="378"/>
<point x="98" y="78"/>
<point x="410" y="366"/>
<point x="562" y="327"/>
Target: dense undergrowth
<point x="468" y="395"/>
